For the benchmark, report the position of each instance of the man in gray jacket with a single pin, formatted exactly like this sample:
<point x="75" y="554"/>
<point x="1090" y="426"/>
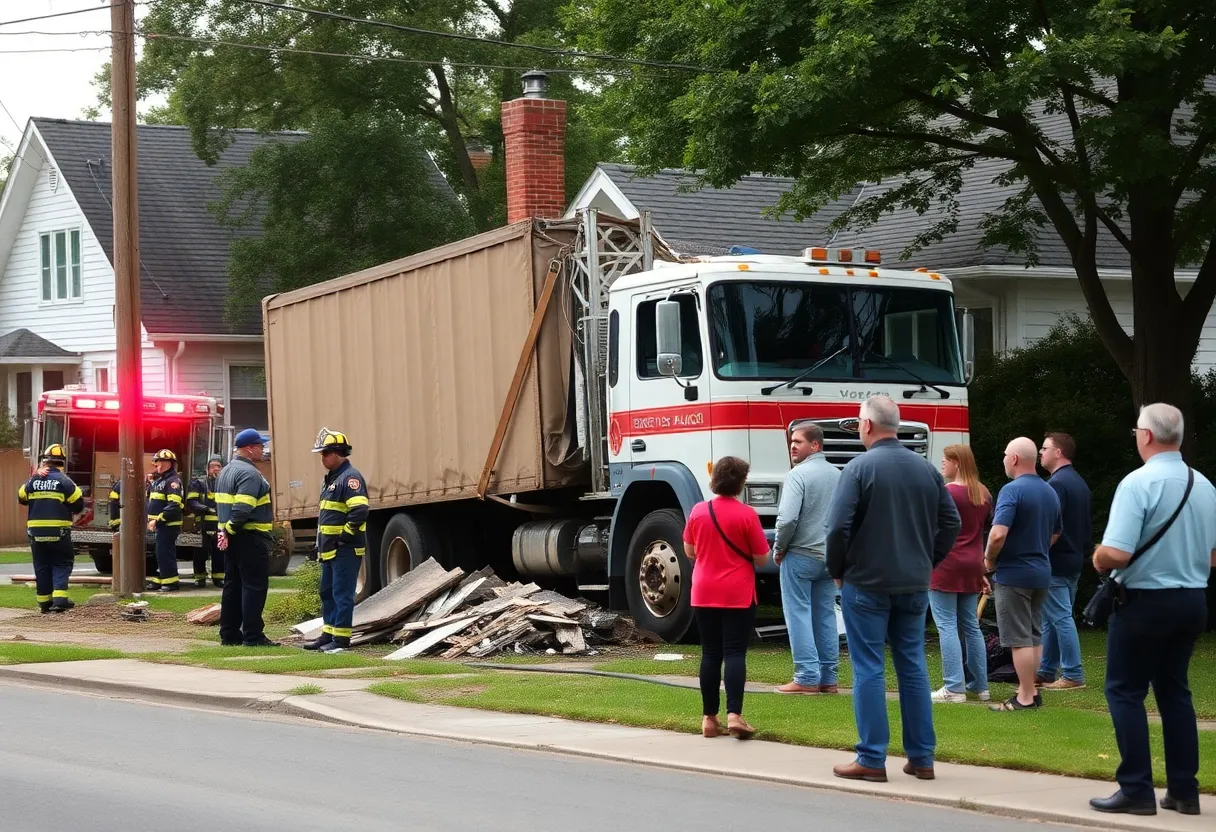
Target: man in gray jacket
<point x="892" y="520"/>
<point x="808" y="593"/>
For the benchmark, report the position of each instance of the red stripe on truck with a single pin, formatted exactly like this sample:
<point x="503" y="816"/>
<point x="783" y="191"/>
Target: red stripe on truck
<point x="771" y="416"/>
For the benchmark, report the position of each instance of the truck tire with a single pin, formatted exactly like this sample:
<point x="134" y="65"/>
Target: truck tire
<point x="280" y="554"/>
<point x="104" y="564"/>
<point x="658" y="578"/>
<point x="409" y="540"/>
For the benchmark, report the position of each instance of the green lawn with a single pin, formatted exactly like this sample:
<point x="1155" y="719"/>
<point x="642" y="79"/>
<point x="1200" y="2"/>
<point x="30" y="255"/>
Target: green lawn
<point x="295" y="660"/>
<point x="1079" y="743"/>
<point x="31" y="653"/>
<point x="772" y="665"/>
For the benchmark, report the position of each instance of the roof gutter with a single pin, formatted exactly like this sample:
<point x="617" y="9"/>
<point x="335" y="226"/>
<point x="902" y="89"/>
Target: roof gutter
<point x="1049" y="273"/>
<point x="204" y="338"/>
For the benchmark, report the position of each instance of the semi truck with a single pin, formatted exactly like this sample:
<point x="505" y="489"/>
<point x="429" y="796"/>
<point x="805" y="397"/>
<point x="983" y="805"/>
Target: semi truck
<point x="86" y="424"/>
<point x="549" y="398"/>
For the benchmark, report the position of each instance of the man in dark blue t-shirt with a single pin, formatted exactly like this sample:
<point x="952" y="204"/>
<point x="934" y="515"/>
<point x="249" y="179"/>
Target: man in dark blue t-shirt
<point x="1061" y="645"/>
<point x="1025" y="525"/>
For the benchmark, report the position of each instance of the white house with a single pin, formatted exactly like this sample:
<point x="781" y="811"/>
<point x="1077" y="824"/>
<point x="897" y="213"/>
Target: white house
<point x="1013" y="305"/>
<point x="57" y="282"/>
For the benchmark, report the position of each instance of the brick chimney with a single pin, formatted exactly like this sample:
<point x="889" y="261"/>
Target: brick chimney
<point x="534" y="129"/>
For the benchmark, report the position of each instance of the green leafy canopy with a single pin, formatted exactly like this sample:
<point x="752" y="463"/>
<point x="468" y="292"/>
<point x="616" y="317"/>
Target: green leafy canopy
<point x="1098" y="113"/>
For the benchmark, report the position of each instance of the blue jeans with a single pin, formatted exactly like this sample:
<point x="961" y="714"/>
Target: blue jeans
<point x="870" y="620"/>
<point x="954" y="614"/>
<point x="808" y="599"/>
<point x="1061" y="645"/>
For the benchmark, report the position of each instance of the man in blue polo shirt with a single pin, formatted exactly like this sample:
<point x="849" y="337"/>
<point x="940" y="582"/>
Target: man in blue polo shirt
<point x="1061" y="645"/>
<point x="1152" y="632"/>
<point x="1025" y="525"/>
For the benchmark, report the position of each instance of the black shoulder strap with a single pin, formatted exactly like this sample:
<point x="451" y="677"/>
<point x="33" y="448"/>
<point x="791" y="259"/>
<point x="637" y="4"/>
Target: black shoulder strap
<point x="1152" y="541"/>
<point x="729" y="542"/>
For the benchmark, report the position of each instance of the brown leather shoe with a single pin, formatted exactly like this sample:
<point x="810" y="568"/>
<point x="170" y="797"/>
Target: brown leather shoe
<point x="794" y="687"/>
<point x="918" y="772"/>
<point x="829" y="689"/>
<point x="711" y="727"/>
<point x="856" y="771"/>
<point x="1064" y="684"/>
<point x="739" y="728"/>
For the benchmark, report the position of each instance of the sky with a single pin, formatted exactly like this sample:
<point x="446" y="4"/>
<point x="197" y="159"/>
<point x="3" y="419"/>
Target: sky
<point x="50" y="84"/>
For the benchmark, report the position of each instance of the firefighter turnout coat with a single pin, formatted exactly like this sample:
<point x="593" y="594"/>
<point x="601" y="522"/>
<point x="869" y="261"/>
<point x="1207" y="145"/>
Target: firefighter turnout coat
<point x="52" y="499"/>
<point x="342" y="523"/>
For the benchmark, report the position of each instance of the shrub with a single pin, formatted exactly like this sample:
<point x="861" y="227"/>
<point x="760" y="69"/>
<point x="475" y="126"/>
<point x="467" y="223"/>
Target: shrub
<point x="302" y="604"/>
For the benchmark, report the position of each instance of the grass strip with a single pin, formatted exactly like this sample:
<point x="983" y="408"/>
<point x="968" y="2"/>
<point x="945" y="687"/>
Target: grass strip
<point x="293" y="660"/>
<point x="1052" y="740"/>
<point x="28" y="652"/>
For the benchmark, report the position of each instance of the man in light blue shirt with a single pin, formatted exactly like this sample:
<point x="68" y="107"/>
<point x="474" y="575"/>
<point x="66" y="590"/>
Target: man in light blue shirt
<point x="1153" y="631"/>
<point x="808" y="593"/>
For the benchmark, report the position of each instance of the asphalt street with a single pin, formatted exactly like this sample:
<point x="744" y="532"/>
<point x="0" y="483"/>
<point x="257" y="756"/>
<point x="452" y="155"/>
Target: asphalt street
<point x="79" y="762"/>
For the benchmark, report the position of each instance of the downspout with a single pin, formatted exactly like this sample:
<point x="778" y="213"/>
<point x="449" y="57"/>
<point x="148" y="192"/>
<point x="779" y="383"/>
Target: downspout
<point x="181" y="348"/>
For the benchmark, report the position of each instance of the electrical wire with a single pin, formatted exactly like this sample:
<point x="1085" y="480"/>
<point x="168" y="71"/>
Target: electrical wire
<point x="21" y="130"/>
<point x="372" y="58"/>
<point x="414" y="30"/>
<point x="60" y="14"/>
<point x="88" y="163"/>
<point x="48" y="50"/>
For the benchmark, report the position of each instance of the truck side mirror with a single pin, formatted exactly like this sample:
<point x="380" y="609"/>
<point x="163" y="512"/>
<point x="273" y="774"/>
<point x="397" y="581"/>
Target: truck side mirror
<point x="968" y="346"/>
<point x="27" y="440"/>
<point x="667" y="326"/>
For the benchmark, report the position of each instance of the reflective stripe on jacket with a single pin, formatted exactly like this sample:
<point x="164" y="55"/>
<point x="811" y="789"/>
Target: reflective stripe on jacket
<point x="242" y="499"/>
<point x="52" y="500"/>
<point x="166" y="499"/>
<point x="342" y="523"/>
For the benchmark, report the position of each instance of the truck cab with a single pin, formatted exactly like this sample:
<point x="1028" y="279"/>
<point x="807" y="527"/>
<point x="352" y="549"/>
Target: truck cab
<point x="725" y="355"/>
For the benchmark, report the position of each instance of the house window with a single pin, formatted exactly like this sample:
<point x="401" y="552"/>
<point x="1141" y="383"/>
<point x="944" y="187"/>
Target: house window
<point x="101" y="379"/>
<point x="61" y="276"/>
<point x="25" y="395"/>
<point x="247" y="397"/>
<point x="52" y="380"/>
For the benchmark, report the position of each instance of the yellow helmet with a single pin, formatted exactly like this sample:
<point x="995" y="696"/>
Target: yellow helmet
<point x="164" y="455"/>
<point x="55" y="453"/>
<point x="331" y="440"/>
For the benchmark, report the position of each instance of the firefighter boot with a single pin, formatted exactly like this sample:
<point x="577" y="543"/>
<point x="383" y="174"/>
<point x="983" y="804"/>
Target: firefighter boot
<point x="44" y="607"/>
<point x="62" y="604"/>
<point x="320" y="643"/>
<point x="340" y="645"/>
<point x="200" y="583"/>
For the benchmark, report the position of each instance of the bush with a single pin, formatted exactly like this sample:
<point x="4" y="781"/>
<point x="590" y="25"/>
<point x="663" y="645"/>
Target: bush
<point x="1068" y="382"/>
<point x="302" y="604"/>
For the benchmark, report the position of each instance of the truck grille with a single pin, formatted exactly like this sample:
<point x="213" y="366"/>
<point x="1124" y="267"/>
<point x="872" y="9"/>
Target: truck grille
<point x="841" y="441"/>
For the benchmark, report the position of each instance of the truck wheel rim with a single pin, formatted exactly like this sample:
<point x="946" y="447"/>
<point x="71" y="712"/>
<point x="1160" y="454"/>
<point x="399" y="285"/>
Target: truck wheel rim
<point x="660" y="579"/>
<point x="398" y="559"/>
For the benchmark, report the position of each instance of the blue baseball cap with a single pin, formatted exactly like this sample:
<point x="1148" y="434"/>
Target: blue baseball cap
<point x="248" y="437"/>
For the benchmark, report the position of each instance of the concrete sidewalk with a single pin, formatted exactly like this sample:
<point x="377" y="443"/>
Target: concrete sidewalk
<point x="345" y="701"/>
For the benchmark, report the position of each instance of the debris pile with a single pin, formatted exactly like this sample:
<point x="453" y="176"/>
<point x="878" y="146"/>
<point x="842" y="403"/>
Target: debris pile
<point x="205" y="616"/>
<point x="446" y="613"/>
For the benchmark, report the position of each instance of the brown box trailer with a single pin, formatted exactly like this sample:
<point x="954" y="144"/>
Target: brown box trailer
<point x="413" y="360"/>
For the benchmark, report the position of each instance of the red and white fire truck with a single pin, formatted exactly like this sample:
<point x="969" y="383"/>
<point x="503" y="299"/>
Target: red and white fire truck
<point x="86" y="424"/>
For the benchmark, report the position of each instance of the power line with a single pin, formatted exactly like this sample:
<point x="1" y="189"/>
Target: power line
<point x="21" y="130"/>
<point x="57" y="14"/>
<point x="382" y="58"/>
<point x="413" y="30"/>
<point x="49" y="50"/>
<point x="61" y="34"/>
<point x="88" y="163"/>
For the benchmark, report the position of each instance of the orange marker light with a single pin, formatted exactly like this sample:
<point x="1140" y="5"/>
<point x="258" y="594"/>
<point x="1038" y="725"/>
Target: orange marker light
<point x="873" y="256"/>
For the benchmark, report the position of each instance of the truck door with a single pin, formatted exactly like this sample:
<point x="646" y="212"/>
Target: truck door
<point x="669" y="418"/>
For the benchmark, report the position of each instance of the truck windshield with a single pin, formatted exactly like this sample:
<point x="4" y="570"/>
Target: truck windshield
<point x="776" y="330"/>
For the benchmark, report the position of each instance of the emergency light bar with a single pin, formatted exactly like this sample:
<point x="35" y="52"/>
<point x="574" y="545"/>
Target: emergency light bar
<point x="851" y="256"/>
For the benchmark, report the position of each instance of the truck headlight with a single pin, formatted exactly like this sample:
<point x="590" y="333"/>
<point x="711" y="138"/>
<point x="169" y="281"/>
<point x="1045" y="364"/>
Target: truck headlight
<point x="762" y="495"/>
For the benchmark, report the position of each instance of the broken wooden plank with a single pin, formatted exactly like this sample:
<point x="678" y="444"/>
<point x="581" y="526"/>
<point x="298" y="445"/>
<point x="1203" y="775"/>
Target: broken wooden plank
<point x="421" y="645"/>
<point x="435" y="603"/>
<point x="430" y="624"/>
<point x="549" y="619"/>
<point x="207" y="615"/>
<point x="412" y="590"/>
<point x="455" y="598"/>
<point x="504" y="601"/>
<point x="558" y="604"/>
<point x="516" y="632"/>
<point x="309" y="626"/>
<point x="504" y="620"/>
<point x="373" y="636"/>
<point x="570" y="636"/>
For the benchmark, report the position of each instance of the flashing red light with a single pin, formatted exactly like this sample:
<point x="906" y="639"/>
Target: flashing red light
<point x="175" y="407"/>
<point x="112" y="404"/>
<point x="86" y="404"/>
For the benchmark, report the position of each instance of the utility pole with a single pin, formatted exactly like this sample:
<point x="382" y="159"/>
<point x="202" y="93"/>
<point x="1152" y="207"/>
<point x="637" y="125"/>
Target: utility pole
<point x="129" y="562"/>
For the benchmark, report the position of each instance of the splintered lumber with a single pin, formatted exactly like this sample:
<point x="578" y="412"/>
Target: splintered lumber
<point x="549" y="619"/>
<point x="207" y="615"/>
<point x="412" y="590"/>
<point x="430" y="624"/>
<point x="455" y="598"/>
<point x="518" y="630"/>
<point x="421" y="645"/>
<point x="557" y="604"/>
<point x="570" y="637"/>
<point x="372" y="636"/>
<point x="305" y="627"/>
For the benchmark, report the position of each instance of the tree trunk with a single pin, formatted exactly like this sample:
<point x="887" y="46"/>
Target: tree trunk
<point x="1162" y="348"/>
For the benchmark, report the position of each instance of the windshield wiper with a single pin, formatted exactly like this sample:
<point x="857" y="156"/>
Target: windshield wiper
<point x="924" y="385"/>
<point x="768" y="391"/>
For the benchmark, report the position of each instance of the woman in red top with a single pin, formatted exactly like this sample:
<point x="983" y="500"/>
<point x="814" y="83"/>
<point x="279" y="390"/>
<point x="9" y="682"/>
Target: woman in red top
<point x="957" y="581"/>
<point x="724" y="540"/>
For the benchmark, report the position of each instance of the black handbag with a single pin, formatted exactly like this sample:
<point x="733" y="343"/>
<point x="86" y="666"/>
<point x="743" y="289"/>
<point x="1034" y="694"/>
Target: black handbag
<point x="1110" y="593"/>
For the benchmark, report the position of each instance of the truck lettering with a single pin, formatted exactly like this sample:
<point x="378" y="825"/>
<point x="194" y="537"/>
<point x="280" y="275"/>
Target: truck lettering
<point x="658" y="424"/>
<point x="859" y="394"/>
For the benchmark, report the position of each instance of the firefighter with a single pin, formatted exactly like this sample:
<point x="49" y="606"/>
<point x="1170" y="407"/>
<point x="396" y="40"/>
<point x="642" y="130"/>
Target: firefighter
<point x="115" y="505"/>
<point x="341" y="540"/>
<point x="242" y="499"/>
<point x="52" y="499"/>
<point x="201" y="501"/>
<point x="166" y="501"/>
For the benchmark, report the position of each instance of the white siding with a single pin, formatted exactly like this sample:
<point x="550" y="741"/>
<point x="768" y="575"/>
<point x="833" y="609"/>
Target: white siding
<point x="83" y="325"/>
<point x="1040" y="303"/>
<point x="202" y="366"/>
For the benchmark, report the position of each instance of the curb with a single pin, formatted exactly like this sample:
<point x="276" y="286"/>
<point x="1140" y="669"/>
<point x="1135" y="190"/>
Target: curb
<point x="307" y="707"/>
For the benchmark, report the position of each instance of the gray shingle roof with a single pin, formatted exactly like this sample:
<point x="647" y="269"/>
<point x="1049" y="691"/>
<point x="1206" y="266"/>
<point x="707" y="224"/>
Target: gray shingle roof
<point x="184" y="249"/>
<point x="711" y="220"/>
<point x="21" y="343"/>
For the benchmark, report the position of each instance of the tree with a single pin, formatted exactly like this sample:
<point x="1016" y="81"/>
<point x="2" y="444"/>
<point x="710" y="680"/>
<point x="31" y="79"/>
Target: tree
<point x="6" y="164"/>
<point x="436" y="88"/>
<point x="913" y="92"/>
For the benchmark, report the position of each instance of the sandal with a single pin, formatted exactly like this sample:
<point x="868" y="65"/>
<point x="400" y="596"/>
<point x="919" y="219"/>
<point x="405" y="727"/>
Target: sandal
<point x="739" y="729"/>
<point x="711" y="727"/>
<point x="1012" y="704"/>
